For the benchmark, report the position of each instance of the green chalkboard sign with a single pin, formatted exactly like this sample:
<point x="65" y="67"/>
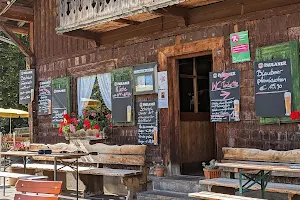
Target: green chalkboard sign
<point x="122" y="97"/>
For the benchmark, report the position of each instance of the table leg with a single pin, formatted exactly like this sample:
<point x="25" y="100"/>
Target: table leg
<point x="55" y="169"/>
<point x="24" y="162"/>
<point x="240" y="182"/>
<point x="77" y="178"/>
<point x="262" y="183"/>
<point x="4" y="167"/>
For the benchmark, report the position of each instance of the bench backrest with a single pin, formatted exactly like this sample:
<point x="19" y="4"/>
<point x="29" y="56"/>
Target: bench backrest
<point x="133" y="155"/>
<point x="245" y="154"/>
<point x="38" y="187"/>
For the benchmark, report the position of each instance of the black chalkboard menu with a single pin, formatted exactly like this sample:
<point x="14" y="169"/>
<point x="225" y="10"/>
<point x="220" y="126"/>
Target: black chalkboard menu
<point x="45" y="97"/>
<point x="26" y="86"/>
<point x="273" y="87"/>
<point x="59" y="104"/>
<point x="224" y="96"/>
<point x="122" y="101"/>
<point x="146" y="114"/>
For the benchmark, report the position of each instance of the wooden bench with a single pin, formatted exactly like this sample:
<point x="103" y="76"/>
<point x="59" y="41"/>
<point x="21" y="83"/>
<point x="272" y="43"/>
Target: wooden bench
<point x="218" y="196"/>
<point x="215" y="184"/>
<point x="126" y="162"/>
<point x="38" y="190"/>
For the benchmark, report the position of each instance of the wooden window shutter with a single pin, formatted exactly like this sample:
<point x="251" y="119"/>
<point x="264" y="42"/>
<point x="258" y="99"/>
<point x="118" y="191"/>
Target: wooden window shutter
<point x="283" y="51"/>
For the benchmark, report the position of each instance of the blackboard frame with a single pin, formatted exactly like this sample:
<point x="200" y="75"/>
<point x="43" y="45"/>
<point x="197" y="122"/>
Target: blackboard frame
<point x="49" y="97"/>
<point x="30" y="99"/>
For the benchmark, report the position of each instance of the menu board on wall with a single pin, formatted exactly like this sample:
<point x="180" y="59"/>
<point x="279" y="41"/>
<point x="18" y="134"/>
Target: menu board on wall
<point x="59" y="105"/>
<point x="122" y="97"/>
<point x="45" y="97"/>
<point x="26" y="86"/>
<point x="273" y="88"/>
<point x="224" y="96"/>
<point x="147" y="122"/>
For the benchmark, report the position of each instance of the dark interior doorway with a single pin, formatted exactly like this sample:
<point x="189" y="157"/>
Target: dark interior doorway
<point x="197" y="134"/>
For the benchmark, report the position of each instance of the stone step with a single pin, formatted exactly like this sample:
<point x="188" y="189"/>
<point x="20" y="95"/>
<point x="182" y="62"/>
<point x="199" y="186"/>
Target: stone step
<point x="162" y="195"/>
<point x="181" y="184"/>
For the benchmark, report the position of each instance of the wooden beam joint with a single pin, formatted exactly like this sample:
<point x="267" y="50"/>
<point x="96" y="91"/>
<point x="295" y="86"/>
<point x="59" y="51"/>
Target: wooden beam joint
<point x="84" y="34"/>
<point x="9" y="33"/>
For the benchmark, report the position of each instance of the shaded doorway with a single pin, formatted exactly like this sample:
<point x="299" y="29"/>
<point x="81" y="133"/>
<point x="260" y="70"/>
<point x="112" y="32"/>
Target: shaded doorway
<point x="197" y="133"/>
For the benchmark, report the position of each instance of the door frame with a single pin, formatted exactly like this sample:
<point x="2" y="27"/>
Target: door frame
<point x="170" y="144"/>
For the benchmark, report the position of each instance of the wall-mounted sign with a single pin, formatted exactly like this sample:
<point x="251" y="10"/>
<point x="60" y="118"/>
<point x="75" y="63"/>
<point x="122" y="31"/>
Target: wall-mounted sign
<point x="240" y="47"/>
<point x="224" y="96"/>
<point x="59" y="105"/>
<point x="45" y="97"/>
<point x="273" y="88"/>
<point x="163" y="101"/>
<point x="26" y="86"/>
<point x="147" y="122"/>
<point x="145" y="78"/>
<point x="122" y="98"/>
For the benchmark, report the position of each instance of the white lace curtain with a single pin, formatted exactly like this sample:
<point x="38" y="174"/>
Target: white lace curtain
<point x="84" y="90"/>
<point x="104" y="81"/>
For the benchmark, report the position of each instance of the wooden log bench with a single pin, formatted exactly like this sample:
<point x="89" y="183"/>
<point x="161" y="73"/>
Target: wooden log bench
<point x="38" y="190"/>
<point x="223" y="185"/>
<point x="126" y="162"/>
<point x="218" y="196"/>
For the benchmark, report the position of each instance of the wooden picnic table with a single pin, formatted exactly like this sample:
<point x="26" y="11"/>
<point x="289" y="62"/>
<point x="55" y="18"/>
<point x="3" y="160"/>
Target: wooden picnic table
<point x="262" y="177"/>
<point x="55" y="156"/>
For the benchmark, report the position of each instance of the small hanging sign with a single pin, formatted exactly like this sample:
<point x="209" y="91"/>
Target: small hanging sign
<point x="240" y="47"/>
<point x="163" y="89"/>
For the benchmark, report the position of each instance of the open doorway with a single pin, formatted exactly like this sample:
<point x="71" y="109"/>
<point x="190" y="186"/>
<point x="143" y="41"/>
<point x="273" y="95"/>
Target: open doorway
<point x="197" y="133"/>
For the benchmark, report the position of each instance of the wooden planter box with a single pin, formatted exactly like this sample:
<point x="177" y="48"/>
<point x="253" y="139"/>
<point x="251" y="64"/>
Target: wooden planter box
<point x="212" y="173"/>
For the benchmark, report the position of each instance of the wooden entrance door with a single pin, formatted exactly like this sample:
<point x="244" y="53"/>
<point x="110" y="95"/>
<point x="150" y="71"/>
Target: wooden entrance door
<point x="197" y="135"/>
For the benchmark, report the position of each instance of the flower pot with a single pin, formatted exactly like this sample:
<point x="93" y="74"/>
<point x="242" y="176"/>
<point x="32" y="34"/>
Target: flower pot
<point x="160" y="171"/>
<point x="212" y="173"/>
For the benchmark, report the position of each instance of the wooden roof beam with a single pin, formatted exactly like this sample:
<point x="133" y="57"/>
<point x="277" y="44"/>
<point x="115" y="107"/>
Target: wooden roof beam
<point x="18" y="30"/>
<point x="127" y="21"/>
<point x="17" y="13"/>
<point x="84" y="34"/>
<point x="173" y="11"/>
<point x="16" y="40"/>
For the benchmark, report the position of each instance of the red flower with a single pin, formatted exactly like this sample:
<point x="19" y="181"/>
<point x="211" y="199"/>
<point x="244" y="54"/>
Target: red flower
<point x="73" y="114"/>
<point x="111" y="125"/>
<point x="87" y="124"/>
<point x="97" y="135"/>
<point x="295" y="115"/>
<point x="85" y="113"/>
<point x="97" y="127"/>
<point x="67" y="118"/>
<point x="60" y="131"/>
<point x="75" y="121"/>
<point x="108" y="117"/>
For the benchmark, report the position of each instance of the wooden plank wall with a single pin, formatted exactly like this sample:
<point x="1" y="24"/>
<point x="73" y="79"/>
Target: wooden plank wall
<point x="59" y="56"/>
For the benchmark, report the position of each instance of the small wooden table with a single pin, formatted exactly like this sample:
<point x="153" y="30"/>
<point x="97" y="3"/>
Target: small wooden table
<point x="262" y="177"/>
<point x="55" y="156"/>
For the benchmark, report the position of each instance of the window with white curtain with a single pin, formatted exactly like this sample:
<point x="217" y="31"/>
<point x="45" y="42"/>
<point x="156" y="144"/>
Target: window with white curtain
<point x="94" y="92"/>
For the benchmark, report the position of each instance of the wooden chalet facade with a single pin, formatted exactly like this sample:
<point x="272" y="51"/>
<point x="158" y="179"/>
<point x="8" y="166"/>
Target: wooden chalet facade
<point x="87" y="37"/>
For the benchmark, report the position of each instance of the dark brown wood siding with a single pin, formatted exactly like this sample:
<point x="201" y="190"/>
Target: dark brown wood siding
<point x="59" y="56"/>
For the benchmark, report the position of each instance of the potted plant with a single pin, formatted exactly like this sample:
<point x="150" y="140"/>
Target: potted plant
<point x="211" y="170"/>
<point x="160" y="170"/>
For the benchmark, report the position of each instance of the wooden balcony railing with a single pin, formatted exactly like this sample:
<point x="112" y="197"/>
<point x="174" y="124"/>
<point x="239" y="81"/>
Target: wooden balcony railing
<point x="81" y="14"/>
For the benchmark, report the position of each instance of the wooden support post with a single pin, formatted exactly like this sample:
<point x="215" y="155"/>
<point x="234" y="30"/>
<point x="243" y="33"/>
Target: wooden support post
<point x="133" y="185"/>
<point x="195" y="82"/>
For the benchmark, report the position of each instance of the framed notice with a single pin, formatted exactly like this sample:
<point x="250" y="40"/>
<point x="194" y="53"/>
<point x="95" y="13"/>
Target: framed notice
<point x="240" y="51"/>
<point x="45" y="97"/>
<point x="273" y="88"/>
<point x="147" y="122"/>
<point x="224" y="96"/>
<point x="145" y="76"/>
<point x="26" y="86"/>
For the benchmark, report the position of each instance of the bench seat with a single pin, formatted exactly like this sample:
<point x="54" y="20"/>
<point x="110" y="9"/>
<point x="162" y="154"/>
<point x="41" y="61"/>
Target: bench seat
<point x="82" y="170"/>
<point x="271" y="187"/>
<point x="219" y="196"/>
<point x="21" y="176"/>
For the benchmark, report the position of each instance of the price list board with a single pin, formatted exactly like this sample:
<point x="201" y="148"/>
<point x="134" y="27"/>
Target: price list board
<point x="26" y="86"/>
<point x="273" y="88"/>
<point x="45" y="97"/>
<point x="146" y="113"/>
